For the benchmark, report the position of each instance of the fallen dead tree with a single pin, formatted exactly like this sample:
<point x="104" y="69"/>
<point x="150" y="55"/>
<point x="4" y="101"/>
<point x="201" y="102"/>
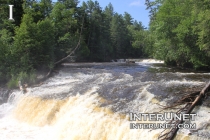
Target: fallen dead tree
<point x="190" y="101"/>
<point x="72" y="52"/>
<point x="49" y="74"/>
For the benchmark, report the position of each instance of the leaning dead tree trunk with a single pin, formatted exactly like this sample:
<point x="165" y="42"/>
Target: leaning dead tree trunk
<point x="63" y="59"/>
<point x="78" y="44"/>
<point x="170" y="135"/>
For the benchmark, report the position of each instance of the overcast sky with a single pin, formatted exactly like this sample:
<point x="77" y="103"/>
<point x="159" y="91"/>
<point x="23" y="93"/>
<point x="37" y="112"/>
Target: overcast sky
<point x="135" y="8"/>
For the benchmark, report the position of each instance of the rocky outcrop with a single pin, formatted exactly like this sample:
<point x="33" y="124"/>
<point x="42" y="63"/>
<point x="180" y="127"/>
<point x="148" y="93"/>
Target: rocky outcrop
<point x="129" y="62"/>
<point x="4" y="95"/>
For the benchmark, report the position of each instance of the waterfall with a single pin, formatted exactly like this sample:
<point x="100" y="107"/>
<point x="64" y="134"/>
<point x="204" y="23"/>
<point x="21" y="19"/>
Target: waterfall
<point x="93" y="102"/>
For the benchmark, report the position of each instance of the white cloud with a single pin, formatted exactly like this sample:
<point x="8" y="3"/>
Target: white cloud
<point x="137" y="3"/>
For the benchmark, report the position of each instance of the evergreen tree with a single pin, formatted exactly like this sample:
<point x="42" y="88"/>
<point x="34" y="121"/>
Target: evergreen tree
<point x="44" y="32"/>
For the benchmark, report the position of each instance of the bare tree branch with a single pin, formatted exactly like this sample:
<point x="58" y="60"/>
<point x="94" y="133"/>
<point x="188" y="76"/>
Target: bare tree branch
<point x="187" y="109"/>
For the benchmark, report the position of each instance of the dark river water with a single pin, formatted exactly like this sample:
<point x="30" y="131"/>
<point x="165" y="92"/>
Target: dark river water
<point x="92" y="101"/>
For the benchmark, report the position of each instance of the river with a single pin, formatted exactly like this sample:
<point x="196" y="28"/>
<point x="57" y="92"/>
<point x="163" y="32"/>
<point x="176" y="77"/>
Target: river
<point x="92" y="101"/>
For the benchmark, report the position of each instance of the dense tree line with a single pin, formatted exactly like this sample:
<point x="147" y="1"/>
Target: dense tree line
<point x="44" y="32"/>
<point x="181" y="31"/>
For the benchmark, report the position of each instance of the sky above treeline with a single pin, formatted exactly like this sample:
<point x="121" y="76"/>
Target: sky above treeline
<point x="136" y="8"/>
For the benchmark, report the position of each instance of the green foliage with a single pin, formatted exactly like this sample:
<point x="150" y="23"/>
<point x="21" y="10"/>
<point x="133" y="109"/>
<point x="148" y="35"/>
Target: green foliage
<point x="24" y="77"/>
<point x="83" y="52"/>
<point x="12" y="83"/>
<point x="45" y="32"/>
<point x="65" y="28"/>
<point x="5" y="54"/>
<point x="181" y="32"/>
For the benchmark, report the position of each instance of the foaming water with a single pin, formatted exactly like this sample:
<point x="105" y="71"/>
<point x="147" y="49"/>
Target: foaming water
<point x="75" y="118"/>
<point x="92" y="101"/>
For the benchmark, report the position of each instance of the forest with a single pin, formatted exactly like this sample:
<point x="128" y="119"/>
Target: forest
<point x="44" y="32"/>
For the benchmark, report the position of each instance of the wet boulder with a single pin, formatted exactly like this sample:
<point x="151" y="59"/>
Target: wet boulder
<point x="129" y="62"/>
<point x="4" y="95"/>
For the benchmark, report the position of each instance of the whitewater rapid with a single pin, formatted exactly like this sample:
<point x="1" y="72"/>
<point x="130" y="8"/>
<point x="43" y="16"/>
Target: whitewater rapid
<point x="91" y="101"/>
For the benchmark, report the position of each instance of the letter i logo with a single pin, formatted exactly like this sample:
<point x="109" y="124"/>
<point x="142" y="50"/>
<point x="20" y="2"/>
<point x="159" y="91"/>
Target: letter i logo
<point x="11" y="12"/>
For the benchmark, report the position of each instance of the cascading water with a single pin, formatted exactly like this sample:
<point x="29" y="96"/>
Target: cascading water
<point x="91" y="101"/>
